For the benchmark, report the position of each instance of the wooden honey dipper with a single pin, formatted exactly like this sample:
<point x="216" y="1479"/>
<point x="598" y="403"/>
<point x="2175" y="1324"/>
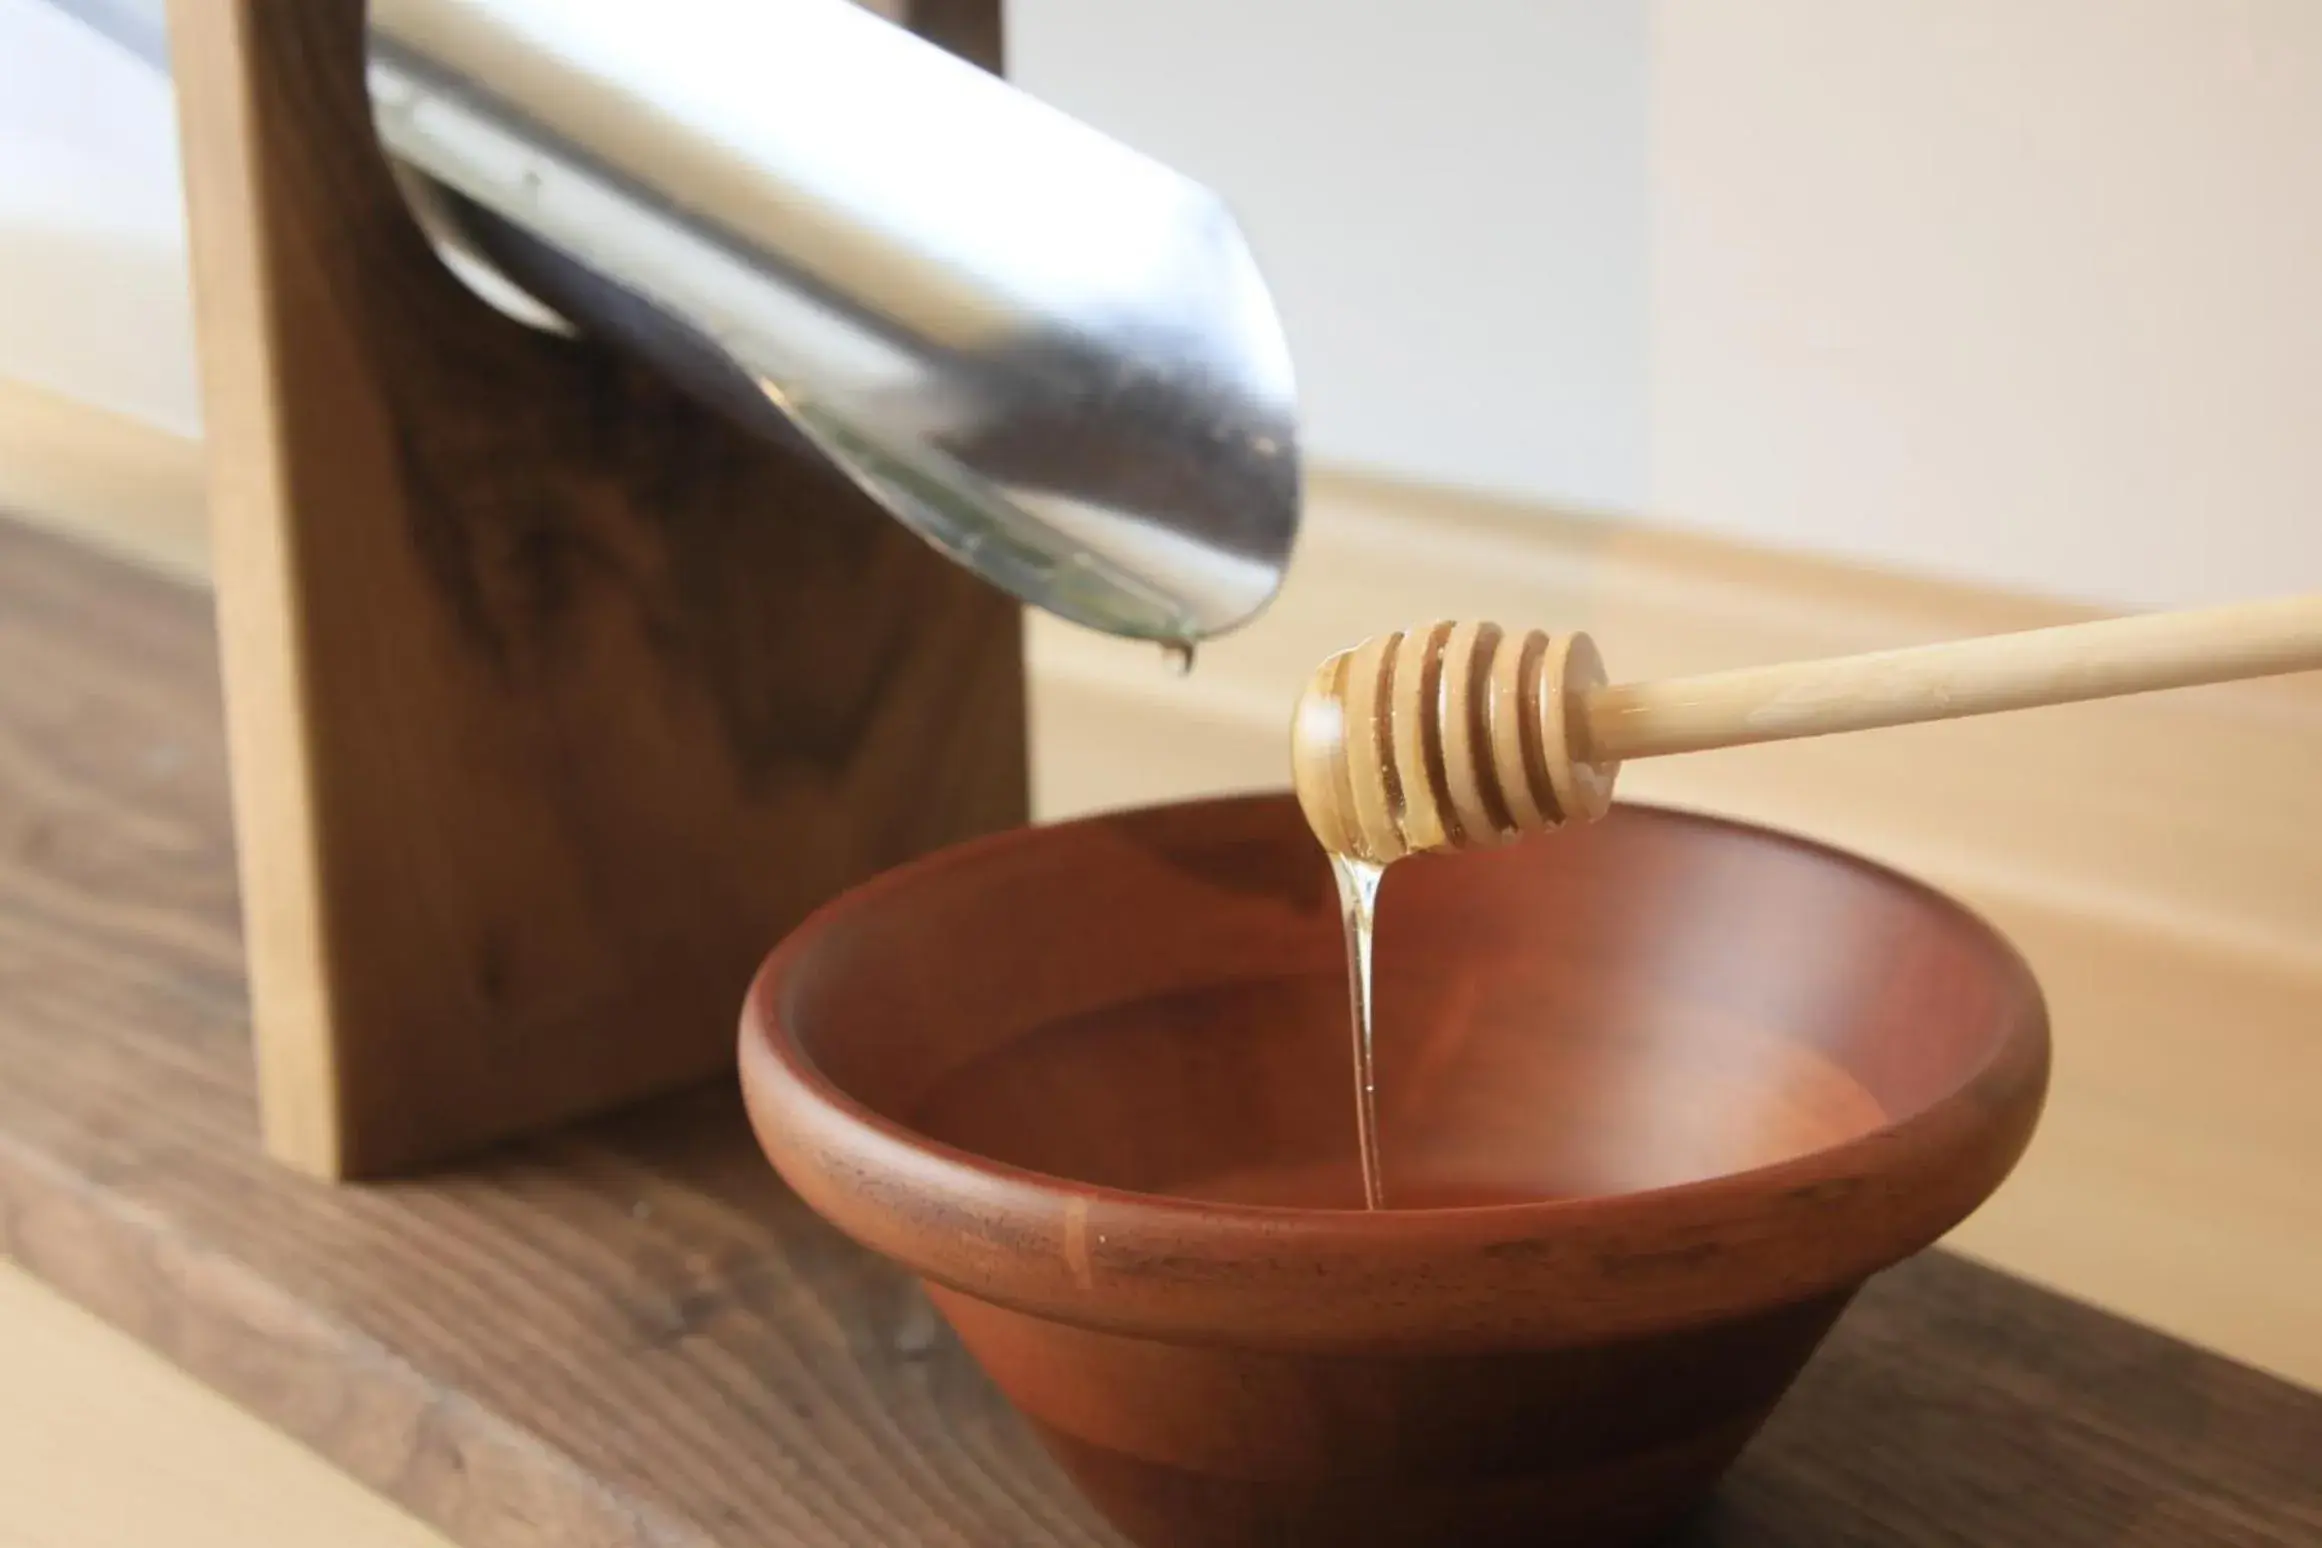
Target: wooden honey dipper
<point x="1462" y="735"/>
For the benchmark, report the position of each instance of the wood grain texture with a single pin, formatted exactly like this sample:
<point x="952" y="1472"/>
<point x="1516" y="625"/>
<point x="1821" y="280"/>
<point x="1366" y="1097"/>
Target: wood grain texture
<point x="1709" y="1078"/>
<point x="628" y="1333"/>
<point x="529" y="761"/>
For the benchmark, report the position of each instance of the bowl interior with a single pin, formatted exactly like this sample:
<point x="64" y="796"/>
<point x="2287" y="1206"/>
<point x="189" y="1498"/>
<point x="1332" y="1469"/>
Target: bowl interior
<point x="1158" y="1003"/>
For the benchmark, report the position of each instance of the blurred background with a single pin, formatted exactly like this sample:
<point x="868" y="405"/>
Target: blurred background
<point x="2019" y="294"/>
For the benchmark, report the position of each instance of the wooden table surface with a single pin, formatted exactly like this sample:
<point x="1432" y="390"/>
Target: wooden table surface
<point x="628" y="1333"/>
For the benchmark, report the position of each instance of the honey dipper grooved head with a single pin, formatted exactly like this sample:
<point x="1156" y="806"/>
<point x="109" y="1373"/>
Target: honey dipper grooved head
<point x="1454" y="736"/>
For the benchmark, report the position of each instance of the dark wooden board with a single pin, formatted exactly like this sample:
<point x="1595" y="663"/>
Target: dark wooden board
<point x="628" y="1333"/>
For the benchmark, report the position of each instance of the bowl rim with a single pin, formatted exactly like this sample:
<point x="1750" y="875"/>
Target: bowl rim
<point x="1869" y="1200"/>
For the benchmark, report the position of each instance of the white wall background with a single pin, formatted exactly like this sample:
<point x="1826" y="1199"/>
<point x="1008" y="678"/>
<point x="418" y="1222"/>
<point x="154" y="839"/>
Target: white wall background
<point x="93" y="298"/>
<point x="2025" y="291"/>
<point x="1449" y="200"/>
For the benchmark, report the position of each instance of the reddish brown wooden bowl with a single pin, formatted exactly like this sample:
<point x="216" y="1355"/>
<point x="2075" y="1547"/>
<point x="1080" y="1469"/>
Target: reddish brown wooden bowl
<point x="1669" y="1088"/>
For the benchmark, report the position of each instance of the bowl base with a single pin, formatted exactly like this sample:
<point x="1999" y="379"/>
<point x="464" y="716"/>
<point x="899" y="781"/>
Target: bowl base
<point x="1193" y="1446"/>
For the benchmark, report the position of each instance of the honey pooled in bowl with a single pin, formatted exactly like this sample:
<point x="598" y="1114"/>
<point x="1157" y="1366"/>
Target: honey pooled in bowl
<point x="1497" y="1085"/>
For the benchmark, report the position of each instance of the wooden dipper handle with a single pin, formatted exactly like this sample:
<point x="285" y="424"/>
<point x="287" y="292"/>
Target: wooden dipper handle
<point x="1458" y="736"/>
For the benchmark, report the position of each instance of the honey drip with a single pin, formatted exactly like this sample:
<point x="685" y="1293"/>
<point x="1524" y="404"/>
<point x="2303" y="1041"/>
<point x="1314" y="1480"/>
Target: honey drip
<point x="1358" y="903"/>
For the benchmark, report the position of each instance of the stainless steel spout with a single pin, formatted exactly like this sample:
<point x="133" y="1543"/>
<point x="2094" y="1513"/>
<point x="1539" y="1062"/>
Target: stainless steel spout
<point x="1052" y="357"/>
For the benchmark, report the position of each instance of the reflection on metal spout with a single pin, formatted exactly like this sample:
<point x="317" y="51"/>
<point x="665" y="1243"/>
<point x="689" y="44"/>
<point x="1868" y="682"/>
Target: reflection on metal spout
<point x="1053" y="358"/>
<point x="439" y="217"/>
